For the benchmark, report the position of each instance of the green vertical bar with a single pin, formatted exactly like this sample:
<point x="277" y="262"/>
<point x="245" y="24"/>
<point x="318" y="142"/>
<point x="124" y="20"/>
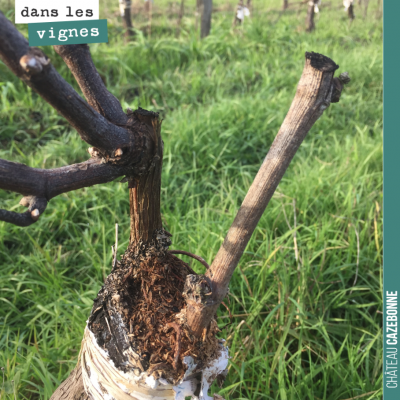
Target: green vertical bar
<point x="391" y="165"/>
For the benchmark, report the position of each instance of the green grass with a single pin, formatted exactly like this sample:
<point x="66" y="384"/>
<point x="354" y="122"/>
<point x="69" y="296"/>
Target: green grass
<point x="311" y="327"/>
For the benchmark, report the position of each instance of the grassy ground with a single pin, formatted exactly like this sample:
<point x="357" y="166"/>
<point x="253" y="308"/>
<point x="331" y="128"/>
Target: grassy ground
<point x="305" y="327"/>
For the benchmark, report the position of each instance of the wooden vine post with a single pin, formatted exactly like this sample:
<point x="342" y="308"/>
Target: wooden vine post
<point x="349" y="8"/>
<point x="151" y="333"/>
<point x="125" y="11"/>
<point x="180" y="16"/>
<point x="310" y="24"/>
<point x="350" y="12"/>
<point x="205" y="27"/>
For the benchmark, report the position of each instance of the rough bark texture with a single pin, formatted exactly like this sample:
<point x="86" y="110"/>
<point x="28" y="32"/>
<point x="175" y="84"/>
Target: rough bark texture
<point x="206" y="18"/>
<point x="313" y="96"/>
<point x="126" y="144"/>
<point x="49" y="183"/>
<point x="120" y="145"/>
<point x="72" y="388"/>
<point x="33" y="67"/>
<point x="79" y="61"/>
<point x="107" y="319"/>
<point x="310" y="25"/>
<point x="145" y="190"/>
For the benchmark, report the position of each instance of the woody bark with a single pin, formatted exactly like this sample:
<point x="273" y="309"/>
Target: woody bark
<point x="316" y="90"/>
<point x="145" y="189"/>
<point x="310" y="25"/>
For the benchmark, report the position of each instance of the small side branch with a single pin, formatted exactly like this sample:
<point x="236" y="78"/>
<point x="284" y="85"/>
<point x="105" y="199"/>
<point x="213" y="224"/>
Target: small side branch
<point x="79" y="61"/>
<point x="40" y="185"/>
<point x="49" y="183"/>
<point x="186" y="253"/>
<point x="33" y="67"/>
<point x="36" y="207"/>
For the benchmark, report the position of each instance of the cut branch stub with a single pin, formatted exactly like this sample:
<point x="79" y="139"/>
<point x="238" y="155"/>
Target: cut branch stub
<point x="36" y="207"/>
<point x="120" y="145"/>
<point x="198" y="293"/>
<point x="34" y="62"/>
<point x="313" y="96"/>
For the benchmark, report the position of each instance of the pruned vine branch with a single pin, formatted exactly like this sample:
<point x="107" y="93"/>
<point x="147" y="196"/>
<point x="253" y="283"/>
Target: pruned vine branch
<point x="79" y="61"/>
<point x="40" y="185"/>
<point x="119" y="144"/>
<point x="316" y="90"/>
<point x="49" y="183"/>
<point x="34" y="68"/>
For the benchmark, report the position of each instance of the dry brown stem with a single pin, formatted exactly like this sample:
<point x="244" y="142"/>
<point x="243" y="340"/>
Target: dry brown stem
<point x="79" y="61"/>
<point x="186" y="253"/>
<point x="313" y="96"/>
